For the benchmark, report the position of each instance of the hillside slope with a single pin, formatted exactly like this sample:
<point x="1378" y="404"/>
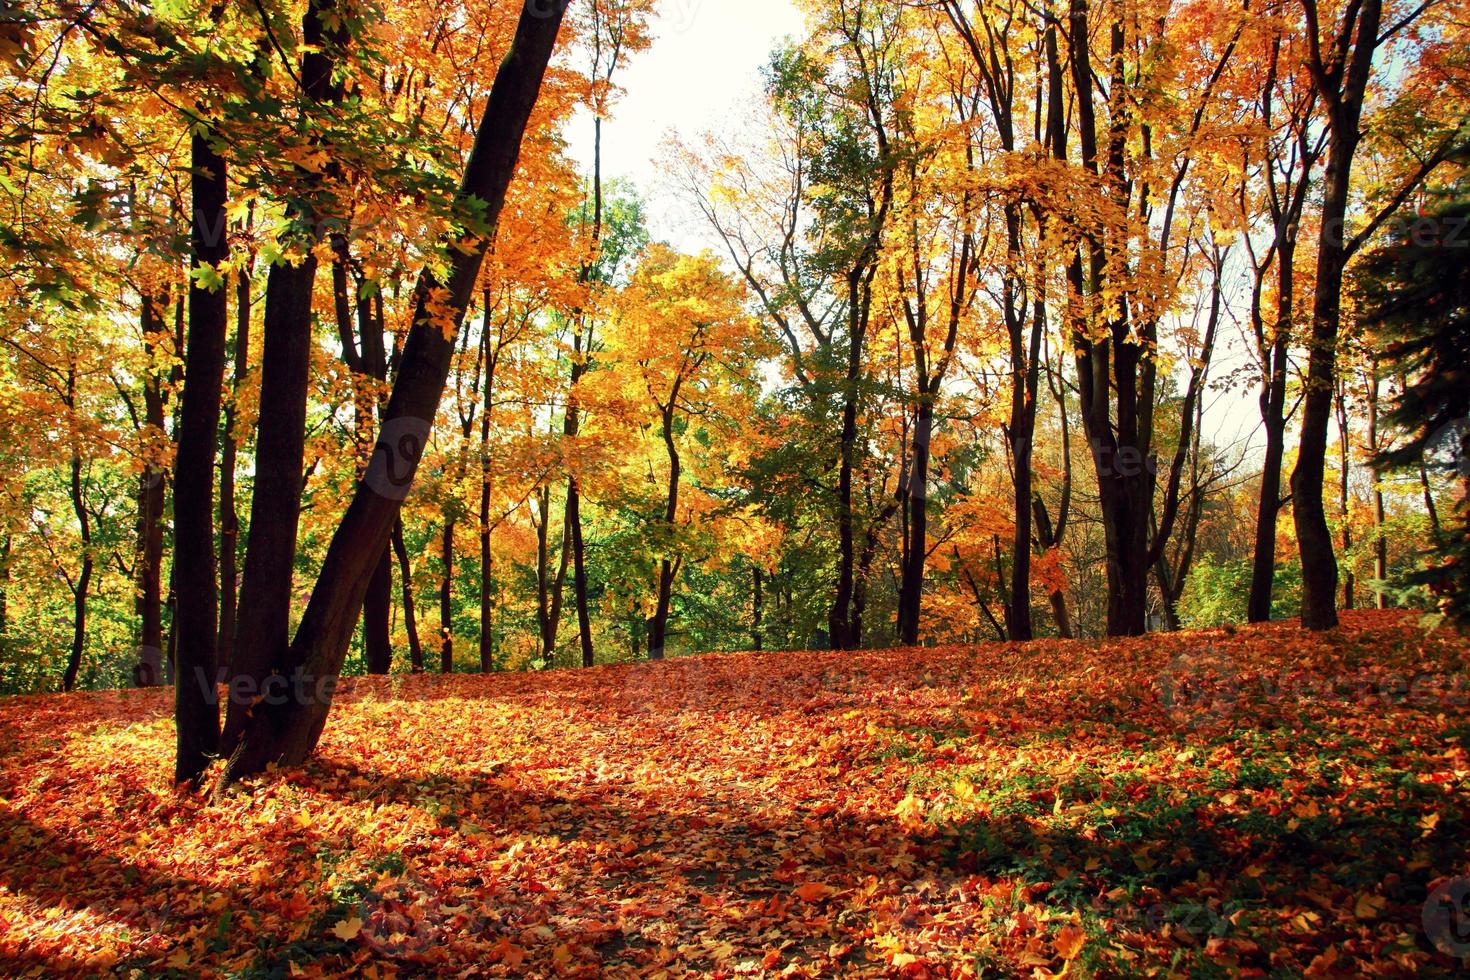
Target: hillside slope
<point x="1256" y="801"/>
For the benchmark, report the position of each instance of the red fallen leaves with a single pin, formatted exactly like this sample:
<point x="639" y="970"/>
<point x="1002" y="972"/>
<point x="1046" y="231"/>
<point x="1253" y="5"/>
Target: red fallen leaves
<point x="1261" y="801"/>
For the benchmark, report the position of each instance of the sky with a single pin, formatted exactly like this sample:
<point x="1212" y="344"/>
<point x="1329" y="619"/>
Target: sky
<point x="704" y="64"/>
<point x="703" y="67"/>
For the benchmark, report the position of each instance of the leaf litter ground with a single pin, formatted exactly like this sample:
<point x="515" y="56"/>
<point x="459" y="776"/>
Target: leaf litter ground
<point x="1255" y="802"/>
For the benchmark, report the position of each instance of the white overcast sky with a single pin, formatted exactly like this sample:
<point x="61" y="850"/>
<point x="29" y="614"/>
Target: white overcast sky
<point x="704" y="64"/>
<point x="702" y="69"/>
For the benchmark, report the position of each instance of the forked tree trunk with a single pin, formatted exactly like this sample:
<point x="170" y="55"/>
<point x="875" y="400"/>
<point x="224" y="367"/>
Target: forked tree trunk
<point x="287" y="731"/>
<point x="1343" y="87"/>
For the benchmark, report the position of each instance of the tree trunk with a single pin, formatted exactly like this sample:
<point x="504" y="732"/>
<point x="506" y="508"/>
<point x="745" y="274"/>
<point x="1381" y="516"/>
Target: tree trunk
<point x="196" y="615"/>
<point x="1380" y="538"/>
<point x="81" y="587"/>
<point x="264" y="617"/>
<point x="1349" y="579"/>
<point x="911" y="586"/>
<point x="410" y="617"/>
<point x="1025" y="374"/>
<point x="4" y="589"/>
<point x="573" y="424"/>
<point x="839" y="620"/>
<point x="287" y="732"/>
<point x="1268" y="503"/>
<point x="668" y="568"/>
<point x="376" y="609"/>
<point x="756" y="606"/>
<point x="148" y="672"/>
<point x="487" y="558"/>
<point x="263" y="622"/>
<point x="229" y="518"/>
<point x="1344" y="97"/>
<point x="446" y="600"/>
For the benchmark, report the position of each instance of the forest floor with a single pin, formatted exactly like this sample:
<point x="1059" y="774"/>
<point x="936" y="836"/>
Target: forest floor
<point x="1236" y="802"/>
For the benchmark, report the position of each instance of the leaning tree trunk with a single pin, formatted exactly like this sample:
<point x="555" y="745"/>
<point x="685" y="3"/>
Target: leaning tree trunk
<point x="287" y="732"/>
<point x="196" y="611"/>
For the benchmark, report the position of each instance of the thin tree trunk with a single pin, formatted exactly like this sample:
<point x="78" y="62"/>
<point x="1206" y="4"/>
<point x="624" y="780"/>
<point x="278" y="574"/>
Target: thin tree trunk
<point x="668" y="567"/>
<point x="229" y="518"/>
<point x="1380" y="537"/>
<point x="1273" y="421"/>
<point x="81" y="587"/>
<point x="839" y="620"/>
<point x="487" y="558"/>
<point x="148" y="672"/>
<point x="196" y="615"/>
<point x="410" y="617"/>
<point x="289" y="731"/>
<point x="757" y="608"/>
<point x="446" y="600"/>
<point x="1349" y="579"/>
<point x="4" y="589"/>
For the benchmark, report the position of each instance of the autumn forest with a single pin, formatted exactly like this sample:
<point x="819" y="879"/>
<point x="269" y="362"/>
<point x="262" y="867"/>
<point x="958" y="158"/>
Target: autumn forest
<point x="1077" y="391"/>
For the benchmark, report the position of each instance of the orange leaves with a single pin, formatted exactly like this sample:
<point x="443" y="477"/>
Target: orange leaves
<point x="1036" y="807"/>
<point x="814" y="891"/>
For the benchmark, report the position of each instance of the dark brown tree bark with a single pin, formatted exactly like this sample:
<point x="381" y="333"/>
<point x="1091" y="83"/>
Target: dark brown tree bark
<point x="1344" y="448"/>
<point x="264" y="617"/>
<point x="1287" y="202"/>
<point x="410" y="615"/>
<point x="1380" y="537"/>
<point x="487" y="558"/>
<point x="844" y="622"/>
<point x="668" y="568"/>
<point x="196" y="611"/>
<point x="81" y="585"/>
<point x="446" y="599"/>
<point x="367" y="358"/>
<point x="376" y="610"/>
<point x="550" y="586"/>
<point x="287" y="731"/>
<point x="757" y="609"/>
<point x="4" y="589"/>
<point x="1341" y="77"/>
<point x="1049" y="535"/>
<point x="929" y="378"/>
<point x="229" y="517"/>
<point x="152" y="499"/>
<point x="1117" y="371"/>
